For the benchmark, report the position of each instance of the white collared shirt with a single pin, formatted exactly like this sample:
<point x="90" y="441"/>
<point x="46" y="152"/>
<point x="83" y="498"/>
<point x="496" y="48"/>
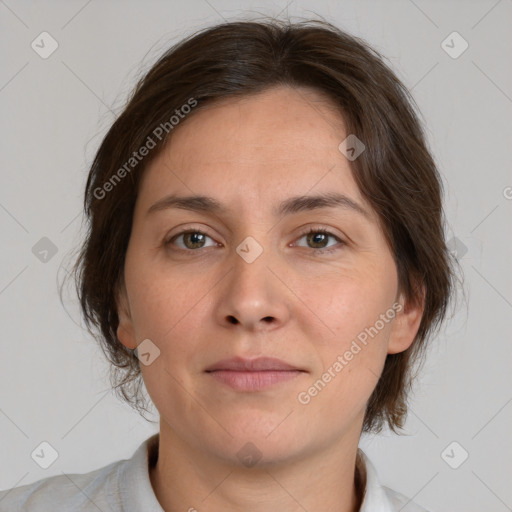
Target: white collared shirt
<point x="124" y="486"/>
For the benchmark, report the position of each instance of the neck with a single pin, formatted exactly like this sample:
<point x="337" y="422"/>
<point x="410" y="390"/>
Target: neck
<point x="186" y="479"/>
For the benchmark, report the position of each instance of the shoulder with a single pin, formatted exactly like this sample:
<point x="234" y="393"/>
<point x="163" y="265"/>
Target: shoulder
<point x="122" y="486"/>
<point x="98" y="489"/>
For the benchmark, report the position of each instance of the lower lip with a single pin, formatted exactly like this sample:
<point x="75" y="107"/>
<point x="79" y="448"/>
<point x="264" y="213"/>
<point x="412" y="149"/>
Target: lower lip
<point x="254" y="381"/>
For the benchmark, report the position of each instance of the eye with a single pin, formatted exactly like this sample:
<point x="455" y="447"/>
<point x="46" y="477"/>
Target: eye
<point x="193" y="239"/>
<point x="318" y="237"/>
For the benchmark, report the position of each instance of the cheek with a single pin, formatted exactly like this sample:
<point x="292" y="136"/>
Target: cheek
<point x="350" y="301"/>
<point x="347" y="367"/>
<point x="172" y="311"/>
<point x="162" y="302"/>
<point x="358" y="313"/>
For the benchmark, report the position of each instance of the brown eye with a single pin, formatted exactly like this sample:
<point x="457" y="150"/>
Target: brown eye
<point x="192" y="240"/>
<point x="317" y="238"/>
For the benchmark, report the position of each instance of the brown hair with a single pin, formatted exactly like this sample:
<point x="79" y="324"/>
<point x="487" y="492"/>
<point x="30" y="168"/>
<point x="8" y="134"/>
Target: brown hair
<point x="396" y="173"/>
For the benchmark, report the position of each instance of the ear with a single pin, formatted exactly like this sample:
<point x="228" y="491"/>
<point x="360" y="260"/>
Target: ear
<point x="125" y="330"/>
<point x="406" y="323"/>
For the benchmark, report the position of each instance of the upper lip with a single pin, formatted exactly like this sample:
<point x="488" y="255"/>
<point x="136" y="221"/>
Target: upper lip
<point x="251" y="365"/>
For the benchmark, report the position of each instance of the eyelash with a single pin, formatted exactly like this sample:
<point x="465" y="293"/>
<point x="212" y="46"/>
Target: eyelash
<point x="305" y="233"/>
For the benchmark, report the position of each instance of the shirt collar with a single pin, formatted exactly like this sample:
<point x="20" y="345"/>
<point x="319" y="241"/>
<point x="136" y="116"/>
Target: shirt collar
<point x="138" y="494"/>
<point x="375" y="497"/>
<point x="134" y="483"/>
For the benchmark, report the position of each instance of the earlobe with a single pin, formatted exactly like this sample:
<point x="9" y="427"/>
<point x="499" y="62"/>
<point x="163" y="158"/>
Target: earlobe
<point x="406" y="324"/>
<point x="125" y="331"/>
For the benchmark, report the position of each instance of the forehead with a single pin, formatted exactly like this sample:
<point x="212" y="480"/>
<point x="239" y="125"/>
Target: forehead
<point x="255" y="149"/>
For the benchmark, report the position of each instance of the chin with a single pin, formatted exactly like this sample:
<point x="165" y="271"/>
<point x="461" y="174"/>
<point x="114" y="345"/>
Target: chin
<point x="253" y="451"/>
<point x="260" y="424"/>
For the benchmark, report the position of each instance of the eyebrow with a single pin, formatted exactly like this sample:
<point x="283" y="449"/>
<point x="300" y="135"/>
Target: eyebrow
<point x="200" y="203"/>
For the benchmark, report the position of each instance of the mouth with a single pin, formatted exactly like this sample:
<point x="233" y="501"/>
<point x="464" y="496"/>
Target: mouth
<point x="253" y="374"/>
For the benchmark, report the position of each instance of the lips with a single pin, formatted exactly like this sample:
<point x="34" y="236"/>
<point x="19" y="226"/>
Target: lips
<point x="260" y="364"/>
<point x="253" y="375"/>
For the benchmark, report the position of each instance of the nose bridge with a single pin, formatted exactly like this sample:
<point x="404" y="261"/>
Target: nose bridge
<point x="254" y="233"/>
<point x="252" y="295"/>
<point x="250" y="273"/>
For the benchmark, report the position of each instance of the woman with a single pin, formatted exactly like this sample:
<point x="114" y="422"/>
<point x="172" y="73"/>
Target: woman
<point x="266" y="253"/>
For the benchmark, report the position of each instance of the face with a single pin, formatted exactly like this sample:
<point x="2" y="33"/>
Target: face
<point x="248" y="281"/>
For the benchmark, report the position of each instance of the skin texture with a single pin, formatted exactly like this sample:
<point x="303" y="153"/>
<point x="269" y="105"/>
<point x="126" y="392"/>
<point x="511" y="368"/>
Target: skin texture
<point x="296" y="302"/>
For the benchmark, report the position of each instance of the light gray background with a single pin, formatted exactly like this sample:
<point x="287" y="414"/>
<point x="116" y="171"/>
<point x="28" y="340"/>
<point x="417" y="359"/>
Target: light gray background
<point x="54" y="112"/>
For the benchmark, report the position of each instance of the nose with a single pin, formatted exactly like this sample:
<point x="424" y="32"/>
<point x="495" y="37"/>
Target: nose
<point x="253" y="295"/>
